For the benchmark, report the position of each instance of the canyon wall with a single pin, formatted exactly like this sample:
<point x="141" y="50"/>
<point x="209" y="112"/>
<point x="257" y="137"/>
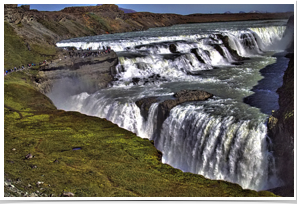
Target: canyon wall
<point x="90" y="73"/>
<point x="281" y="123"/>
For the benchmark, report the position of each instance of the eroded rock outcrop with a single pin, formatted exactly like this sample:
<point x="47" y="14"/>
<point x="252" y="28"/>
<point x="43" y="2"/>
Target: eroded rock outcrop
<point x="164" y="107"/>
<point x="92" y="73"/>
<point x="181" y="97"/>
<point x="225" y="41"/>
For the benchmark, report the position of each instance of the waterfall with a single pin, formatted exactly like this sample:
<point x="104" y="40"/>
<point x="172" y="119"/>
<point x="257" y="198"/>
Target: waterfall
<point x="270" y="36"/>
<point x="219" y="140"/>
<point x="217" y="147"/>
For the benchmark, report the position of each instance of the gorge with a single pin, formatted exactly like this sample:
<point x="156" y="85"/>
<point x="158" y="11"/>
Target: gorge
<point x="220" y="138"/>
<point x="151" y="83"/>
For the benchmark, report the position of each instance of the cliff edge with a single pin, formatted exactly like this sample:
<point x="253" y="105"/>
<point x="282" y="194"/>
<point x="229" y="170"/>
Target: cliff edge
<point x="281" y="125"/>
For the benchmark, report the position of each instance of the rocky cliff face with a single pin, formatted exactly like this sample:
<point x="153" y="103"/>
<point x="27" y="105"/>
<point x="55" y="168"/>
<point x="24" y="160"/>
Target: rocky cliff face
<point x="90" y="73"/>
<point x="281" y="126"/>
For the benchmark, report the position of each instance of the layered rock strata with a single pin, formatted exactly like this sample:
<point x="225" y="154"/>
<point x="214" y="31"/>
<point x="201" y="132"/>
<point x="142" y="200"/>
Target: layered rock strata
<point x="93" y="73"/>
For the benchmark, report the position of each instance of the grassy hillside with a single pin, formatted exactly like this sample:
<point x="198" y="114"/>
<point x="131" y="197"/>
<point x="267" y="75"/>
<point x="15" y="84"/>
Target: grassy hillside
<point x="16" y="52"/>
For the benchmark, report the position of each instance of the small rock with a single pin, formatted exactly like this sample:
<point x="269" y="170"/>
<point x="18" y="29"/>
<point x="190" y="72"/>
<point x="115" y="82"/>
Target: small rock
<point x="29" y="156"/>
<point x="29" y="186"/>
<point x="39" y="183"/>
<point x="13" y="149"/>
<point x="37" y="191"/>
<point x="34" y="167"/>
<point x="68" y="194"/>
<point x="52" y="195"/>
<point x="33" y="195"/>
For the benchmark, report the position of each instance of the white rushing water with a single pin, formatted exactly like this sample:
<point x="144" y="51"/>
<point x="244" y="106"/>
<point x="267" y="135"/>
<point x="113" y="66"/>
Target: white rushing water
<point x="221" y="138"/>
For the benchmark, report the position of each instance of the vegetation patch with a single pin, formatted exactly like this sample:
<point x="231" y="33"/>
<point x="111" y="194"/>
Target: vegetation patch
<point x="17" y="53"/>
<point x="104" y="25"/>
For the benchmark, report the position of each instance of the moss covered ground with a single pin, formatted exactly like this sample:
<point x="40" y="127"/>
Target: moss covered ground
<point x="109" y="161"/>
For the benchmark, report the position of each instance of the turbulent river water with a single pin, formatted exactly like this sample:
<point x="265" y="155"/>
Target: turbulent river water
<point x="224" y="137"/>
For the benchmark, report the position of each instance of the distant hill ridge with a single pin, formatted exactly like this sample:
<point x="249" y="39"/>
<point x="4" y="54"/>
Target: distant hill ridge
<point x="48" y="28"/>
<point x="123" y="9"/>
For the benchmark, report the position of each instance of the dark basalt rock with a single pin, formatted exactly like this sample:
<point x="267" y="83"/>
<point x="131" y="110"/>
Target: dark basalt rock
<point x="194" y="51"/>
<point x="181" y="97"/>
<point x="144" y="105"/>
<point x="165" y="106"/>
<point x="233" y="53"/>
<point x="172" y="48"/>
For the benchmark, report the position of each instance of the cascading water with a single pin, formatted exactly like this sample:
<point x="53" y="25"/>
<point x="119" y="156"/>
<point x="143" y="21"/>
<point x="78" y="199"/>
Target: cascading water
<point x="218" y="147"/>
<point x="221" y="138"/>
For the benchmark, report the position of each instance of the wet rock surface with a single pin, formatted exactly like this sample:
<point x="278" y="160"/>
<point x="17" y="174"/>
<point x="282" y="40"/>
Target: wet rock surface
<point x="182" y="97"/>
<point x="165" y="106"/>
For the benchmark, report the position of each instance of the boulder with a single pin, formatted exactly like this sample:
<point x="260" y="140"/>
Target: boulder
<point x="165" y="106"/>
<point x="172" y="48"/>
<point x="181" y="97"/>
<point x="144" y="105"/>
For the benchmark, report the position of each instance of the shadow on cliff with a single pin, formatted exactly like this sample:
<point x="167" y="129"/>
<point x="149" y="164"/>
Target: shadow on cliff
<point x="265" y="97"/>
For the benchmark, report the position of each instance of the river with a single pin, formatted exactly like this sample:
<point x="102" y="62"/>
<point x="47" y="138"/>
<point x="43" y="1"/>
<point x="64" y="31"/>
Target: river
<point x="224" y="137"/>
